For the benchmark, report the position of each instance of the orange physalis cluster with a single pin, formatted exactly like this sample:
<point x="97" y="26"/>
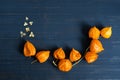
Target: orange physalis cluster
<point x="30" y="50"/>
<point x="95" y="45"/>
<point x="65" y="64"/>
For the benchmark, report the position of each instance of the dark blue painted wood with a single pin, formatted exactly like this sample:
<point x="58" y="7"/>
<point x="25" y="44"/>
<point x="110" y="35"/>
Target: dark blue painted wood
<point x="58" y="23"/>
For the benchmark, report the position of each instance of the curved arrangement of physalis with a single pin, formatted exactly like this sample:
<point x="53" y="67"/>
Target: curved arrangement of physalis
<point x="66" y="64"/>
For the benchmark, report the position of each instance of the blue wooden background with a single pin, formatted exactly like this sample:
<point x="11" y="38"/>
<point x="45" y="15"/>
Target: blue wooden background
<point x="58" y="23"/>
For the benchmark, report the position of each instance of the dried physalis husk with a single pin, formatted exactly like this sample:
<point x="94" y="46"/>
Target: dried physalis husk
<point x="91" y="57"/>
<point x="59" y="54"/>
<point x="96" y="46"/>
<point x="42" y="56"/>
<point x="94" y="33"/>
<point x="74" y="55"/>
<point x="65" y="65"/>
<point x="106" y="32"/>
<point x="29" y="49"/>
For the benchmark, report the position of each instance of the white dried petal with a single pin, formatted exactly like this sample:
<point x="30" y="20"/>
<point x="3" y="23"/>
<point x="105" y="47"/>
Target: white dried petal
<point x="25" y="23"/>
<point x="24" y="34"/>
<point x="27" y="29"/>
<point x="21" y="32"/>
<point x="30" y="35"/>
<point x="31" y="23"/>
<point x="26" y="18"/>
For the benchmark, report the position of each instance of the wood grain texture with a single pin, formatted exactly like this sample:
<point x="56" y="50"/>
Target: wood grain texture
<point x="58" y="23"/>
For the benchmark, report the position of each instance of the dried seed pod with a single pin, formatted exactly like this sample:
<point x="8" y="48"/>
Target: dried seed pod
<point x="74" y="55"/>
<point x="91" y="57"/>
<point x="94" y="33"/>
<point x="29" y="49"/>
<point x="106" y="32"/>
<point x="96" y="46"/>
<point x="42" y="56"/>
<point x="59" y="54"/>
<point x="65" y="65"/>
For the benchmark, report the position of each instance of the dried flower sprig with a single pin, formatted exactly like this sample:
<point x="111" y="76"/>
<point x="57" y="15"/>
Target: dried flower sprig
<point x="28" y="31"/>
